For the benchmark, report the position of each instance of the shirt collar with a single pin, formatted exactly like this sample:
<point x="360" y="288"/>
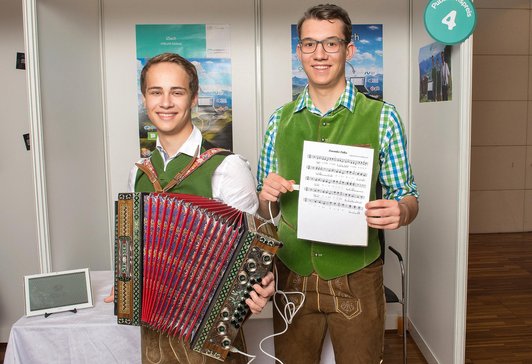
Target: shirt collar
<point x="189" y="147"/>
<point x="346" y="99"/>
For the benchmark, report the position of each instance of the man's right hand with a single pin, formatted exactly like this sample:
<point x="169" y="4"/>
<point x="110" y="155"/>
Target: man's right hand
<point x="272" y="188"/>
<point x="111" y="296"/>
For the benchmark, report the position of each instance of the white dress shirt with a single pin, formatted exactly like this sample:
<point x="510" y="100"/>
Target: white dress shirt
<point x="232" y="181"/>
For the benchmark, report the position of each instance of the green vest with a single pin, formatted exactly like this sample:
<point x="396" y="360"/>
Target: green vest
<point x="198" y="183"/>
<point x="342" y="126"/>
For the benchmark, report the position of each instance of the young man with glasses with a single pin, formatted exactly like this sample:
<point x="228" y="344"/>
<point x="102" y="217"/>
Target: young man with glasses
<point x="343" y="285"/>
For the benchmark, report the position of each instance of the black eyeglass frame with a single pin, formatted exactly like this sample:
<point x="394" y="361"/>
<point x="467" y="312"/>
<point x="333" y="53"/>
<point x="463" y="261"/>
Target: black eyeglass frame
<point x="322" y="42"/>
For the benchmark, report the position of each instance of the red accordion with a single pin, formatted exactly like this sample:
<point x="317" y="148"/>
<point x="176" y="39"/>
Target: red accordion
<point x="184" y="265"/>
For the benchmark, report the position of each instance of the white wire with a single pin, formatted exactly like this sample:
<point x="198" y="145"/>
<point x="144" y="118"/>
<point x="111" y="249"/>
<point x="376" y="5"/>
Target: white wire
<point x="271" y="216"/>
<point x="235" y="350"/>
<point x="289" y="311"/>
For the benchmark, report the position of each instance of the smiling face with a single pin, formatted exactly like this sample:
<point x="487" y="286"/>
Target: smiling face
<point x="168" y="100"/>
<point x="325" y="71"/>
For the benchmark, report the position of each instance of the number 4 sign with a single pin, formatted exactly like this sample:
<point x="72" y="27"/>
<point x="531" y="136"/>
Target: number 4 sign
<point x="450" y="21"/>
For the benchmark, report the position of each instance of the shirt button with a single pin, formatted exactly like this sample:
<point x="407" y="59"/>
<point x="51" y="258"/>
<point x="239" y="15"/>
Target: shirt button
<point x="324" y="124"/>
<point x="322" y="139"/>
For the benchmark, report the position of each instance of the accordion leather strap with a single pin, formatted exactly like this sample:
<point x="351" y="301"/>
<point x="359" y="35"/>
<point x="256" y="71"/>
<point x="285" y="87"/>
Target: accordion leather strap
<point x="147" y="167"/>
<point x="194" y="164"/>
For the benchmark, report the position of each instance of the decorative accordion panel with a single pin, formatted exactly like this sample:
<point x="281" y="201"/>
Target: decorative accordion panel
<point x="184" y="265"/>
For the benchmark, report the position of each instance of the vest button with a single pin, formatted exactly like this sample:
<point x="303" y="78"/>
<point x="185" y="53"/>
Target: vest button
<point x="324" y="124"/>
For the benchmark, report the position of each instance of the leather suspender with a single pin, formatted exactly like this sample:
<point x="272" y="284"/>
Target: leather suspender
<point x="147" y="167"/>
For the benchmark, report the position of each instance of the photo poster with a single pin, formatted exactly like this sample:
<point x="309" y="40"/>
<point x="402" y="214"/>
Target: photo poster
<point x="435" y="82"/>
<point x="206" y="46"/>
<point x="365" y="69"/>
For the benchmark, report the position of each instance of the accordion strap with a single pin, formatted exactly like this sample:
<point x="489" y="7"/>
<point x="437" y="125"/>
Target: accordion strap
<point x="147" y="167"/>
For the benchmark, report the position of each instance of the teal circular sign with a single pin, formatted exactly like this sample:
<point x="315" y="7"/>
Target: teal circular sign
<point x="450" y="21"/>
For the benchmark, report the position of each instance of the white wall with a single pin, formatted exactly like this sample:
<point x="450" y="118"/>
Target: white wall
<point x="72" y="118"/>
<point x="439" y="146"/>
<point x="19" y="251"/>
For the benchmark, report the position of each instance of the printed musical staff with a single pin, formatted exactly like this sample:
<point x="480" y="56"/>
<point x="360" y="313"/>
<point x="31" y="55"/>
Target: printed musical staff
<point x="338" y="160"/>
<point x="335" y="193"/>
<point x="335" y="181"/>
<point x="354" y="207"/>
<point x="338" y="171"/>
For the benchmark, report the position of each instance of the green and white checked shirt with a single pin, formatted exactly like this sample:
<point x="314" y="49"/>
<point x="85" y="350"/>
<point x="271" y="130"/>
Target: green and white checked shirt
<point x="395" y="174"/>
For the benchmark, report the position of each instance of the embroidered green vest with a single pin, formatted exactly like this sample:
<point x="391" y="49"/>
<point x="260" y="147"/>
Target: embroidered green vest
<point x="198" y="183"/>
<point x="340" y="127"/>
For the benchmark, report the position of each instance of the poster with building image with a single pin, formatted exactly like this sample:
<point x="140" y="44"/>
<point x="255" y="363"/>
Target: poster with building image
<point x="435" y="81"/>
<point x="365" y="69"/>
<point x="207" y="46"/>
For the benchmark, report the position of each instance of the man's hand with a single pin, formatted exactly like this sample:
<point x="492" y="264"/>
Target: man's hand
<point x="391" y="214"/>
<point x="261" y="293"/>
<point x="111" y="296"/>
<point x="272" y="188"/>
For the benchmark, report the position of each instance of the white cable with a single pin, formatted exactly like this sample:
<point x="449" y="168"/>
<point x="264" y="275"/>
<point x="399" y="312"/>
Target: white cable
<point x="271" y="216"/>
<point x="289" y="311"/>
<point x="296" y="188"/>
<point x="235" y="350"/>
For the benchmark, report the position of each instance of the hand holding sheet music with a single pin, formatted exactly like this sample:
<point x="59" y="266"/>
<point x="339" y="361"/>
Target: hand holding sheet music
<point x="334" y="187"/>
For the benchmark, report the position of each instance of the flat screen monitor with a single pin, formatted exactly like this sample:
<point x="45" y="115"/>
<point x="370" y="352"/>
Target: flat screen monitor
<point x="59" y="291"/>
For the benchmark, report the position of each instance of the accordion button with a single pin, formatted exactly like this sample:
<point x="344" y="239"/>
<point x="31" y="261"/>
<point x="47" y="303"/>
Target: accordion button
<point x="267" y="258"/>
<point x="225" y="313"/>
<point x="242" y="277"/>
<point x="251" y="265"/>
<point x="221" y="328"/>
<point x="226" y="343"/>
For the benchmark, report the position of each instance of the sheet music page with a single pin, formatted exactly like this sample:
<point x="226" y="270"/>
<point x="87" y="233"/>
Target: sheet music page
<point x="334" y="188"/>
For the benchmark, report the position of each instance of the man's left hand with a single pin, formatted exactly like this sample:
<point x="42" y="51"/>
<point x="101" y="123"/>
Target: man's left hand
<point x="391" y="214"/>
<point x="261" y="293"/>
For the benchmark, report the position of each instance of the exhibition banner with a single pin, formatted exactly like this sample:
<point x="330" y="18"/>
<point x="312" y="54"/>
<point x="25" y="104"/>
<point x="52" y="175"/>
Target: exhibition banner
<point x="207" y="46"/>
<point x="365" y="69"/>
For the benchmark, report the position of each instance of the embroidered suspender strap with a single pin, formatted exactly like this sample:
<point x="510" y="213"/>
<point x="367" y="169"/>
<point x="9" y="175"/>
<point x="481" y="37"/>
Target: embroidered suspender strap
<point x="195" y="163"/>
<point x="177" y="178"/>
<point x="146" y="167"/>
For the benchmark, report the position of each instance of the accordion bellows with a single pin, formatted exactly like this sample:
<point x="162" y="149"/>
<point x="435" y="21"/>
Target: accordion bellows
<point x="184" y="265"/>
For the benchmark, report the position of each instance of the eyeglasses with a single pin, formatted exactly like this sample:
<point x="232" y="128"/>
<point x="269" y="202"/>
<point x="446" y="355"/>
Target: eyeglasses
<point x="330" y="45"/>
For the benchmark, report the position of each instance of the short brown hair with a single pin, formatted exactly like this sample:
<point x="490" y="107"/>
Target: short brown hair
<point x="327" y="12"/>
<point x="172" y="58"/>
